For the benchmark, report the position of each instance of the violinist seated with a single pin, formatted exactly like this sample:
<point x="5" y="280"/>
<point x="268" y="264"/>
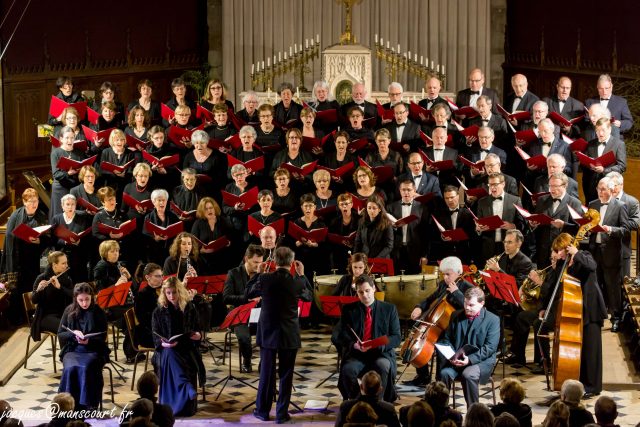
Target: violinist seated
<point x="369" y="319"/>
<point x="475" y="327"/>
<point x="450" y="290"/>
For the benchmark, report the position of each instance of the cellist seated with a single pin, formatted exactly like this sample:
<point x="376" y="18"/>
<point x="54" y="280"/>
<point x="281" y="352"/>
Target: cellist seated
<point x="478" y="330"/>
<point x="451" y="290"/>
<point x="362" y="321"/>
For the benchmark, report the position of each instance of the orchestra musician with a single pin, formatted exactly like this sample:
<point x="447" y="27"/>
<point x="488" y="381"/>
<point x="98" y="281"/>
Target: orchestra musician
<point x="513" y="262"/>
<point x="452" y="288"/>
<point x="146" y="302"/>
<point x="358" y="266"/>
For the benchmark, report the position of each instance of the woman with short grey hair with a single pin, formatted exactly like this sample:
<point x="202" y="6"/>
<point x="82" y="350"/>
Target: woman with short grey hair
<point x="159" y="241"/>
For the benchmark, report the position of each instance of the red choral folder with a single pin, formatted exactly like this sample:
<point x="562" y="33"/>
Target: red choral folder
<point x="478" y="192"/>
<point x="256" y="226"/>
<point x="607" y="159"/>
<point x="305" y="170"/>
<point x="332" y="305"/>
<point x="218" y="144"/>
<point x="534" y="196"/>
<point x="424" y="198"/>
<point x="426" y="139"/>
<point x="439" y="166"/>
<point x="69" y="236"/>
<point x="538" y="161"/>
<point x="493" y="222"/>
<point x="382" y="173"/>
<point x="455" y="235"/>
<point x="272" y="148"/>
<point x="87" y="206"/>
<point x="579" y="144"/>
<point x="113" y="296"/>
<point x="358" y="144"/>
<point x="125" y="228"/>
<point x="382" y="113"/>
<point x="358" y="203"/>
<point x="110" y="167"/>
<point x="214" y="245"/>
<point x="80" y="145"/>
<point x="57" y="105"/>
<point x="133" y="143"/>
<point x="309" y="143"/>
<point x="66" y="163"/>
<point x="470" y="131"/>
<point x="418" y="113"/>
<point x="315" y="235"/>
<point x="403" y="221"/>
<point x="183" y="215"/>
<point x="203" y="113"/>
<point x="177" y="134"/>
<point x="92" y="135"/>
<point x="292" y="123"/>
<point x="167" y="113"/>
<point x="249" y="198"/>
<point x="577" y="218"/>
<point x="167" y="232"/>
<point x="137" y="204"/>
<point x="24" y="232"/>
<point x="339" y="172"/>
<point x="92" y="116"/>
<point x="561" y="120"/>
<point x="479" y="165"/>
<point x="253" y="165"/>
<point x="339" y="239"/>
<point x="541" y="219"/>
<point x="165" y="161"/>
<point x="525" y="137"/>
<point x="322" y="212"/>
<point x="468" y="112"/>
<point x="207" y="285"/>
<point x="518" y="115"/>
<point x="399" y="147"/>
<point x="327" y="117"/>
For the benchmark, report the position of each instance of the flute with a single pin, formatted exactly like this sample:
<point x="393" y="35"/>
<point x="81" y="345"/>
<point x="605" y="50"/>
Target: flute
<point x="55" y="276"/>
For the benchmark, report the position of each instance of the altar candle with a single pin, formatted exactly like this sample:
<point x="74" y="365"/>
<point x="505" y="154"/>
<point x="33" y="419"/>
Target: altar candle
<point x="432" y="65"/>
<point x="252" y="68"/>
<point x="376" y="38"/>
<point x="398" y="47"/>
<point x="438" y="68"/>
<point x="381" y="42"/>
<point x="421" y="58"/>
<point x="409" y="55"/>
<point x="295" y="48"/>
<point x="280" y="56"/>
<point x="297" y="92"/>
<point x="268" y="62"/>
<point x="415" y="58"/>
<point x="262" y="65"/>
<point x="290" y="51"/>
<point x="443" y="69"/>
<point x="318" y="38"/>
<point x="422" y="94"/>
<point x="285" y="55"/>
<point x="387" y="44"/>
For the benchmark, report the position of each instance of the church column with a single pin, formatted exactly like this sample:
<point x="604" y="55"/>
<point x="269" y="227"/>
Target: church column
<point x="498" y="24"/>
<point x="214" y="21"/>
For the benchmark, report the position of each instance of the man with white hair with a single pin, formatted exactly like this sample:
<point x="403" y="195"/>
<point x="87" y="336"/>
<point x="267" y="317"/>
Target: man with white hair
<point x="249" y="114"/>
<point x="549" y="144"/>
<point x="395" y="92"/>
<point x="595" y="113"/>
<point x="617" y="105"/>
<point x="521" y="99"/>
<point x="556" y="163"/>
<point x="358" y="96"/>
<point x="633" y="210"/>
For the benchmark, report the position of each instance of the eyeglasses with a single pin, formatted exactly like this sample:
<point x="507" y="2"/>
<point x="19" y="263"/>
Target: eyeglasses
<point x="183" y="115"/>
<point x="215" y="87"/>
<point x="265" y="116"/>
<point x="294" y="137"/>
<point x="495" y="184"/>
<point x="416" y="163"/>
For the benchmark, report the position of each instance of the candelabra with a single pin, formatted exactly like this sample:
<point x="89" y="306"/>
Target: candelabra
<point x="396" y="61"/>
<point x="296" y="62"/>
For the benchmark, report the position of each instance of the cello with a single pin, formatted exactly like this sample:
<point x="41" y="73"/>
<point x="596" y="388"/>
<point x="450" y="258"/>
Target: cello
<point x="567" y="338"/>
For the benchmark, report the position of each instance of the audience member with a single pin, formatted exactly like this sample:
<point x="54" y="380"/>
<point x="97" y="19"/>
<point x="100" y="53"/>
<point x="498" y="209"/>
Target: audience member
<point x="512" y="394"/>
<point x="606" y="411"/>
<point x="478" y="415"/>
<point x="557" y="416"/>
<point x="147" y="388"/>
<point x="370" y="390"/>
<point x="570" y="394"/>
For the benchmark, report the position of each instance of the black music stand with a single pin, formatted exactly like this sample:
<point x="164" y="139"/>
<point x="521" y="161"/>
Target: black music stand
<point x="209" y="285"/>
<point x="332" y="307"/>
<point x="237" y="316"/>
<point x="114" y="296"/>
<point x="502" y="287"/>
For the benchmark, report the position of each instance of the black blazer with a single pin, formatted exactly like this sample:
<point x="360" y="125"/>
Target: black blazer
<point x="373" y="242"/>
<point x="411" y="131"/>
<point x="446" y="177"/>
<point x="463" y="97"/>
<point x="509" y="214"/>
<point x="424" y="103"/>
<point x="235" y="286"/>
<point x="497" y="123"/>
<point x="633" y="211"/>
<point x="428" y="183"/>
<point x="541" y="185"/>
<point x="546" y="234"/>
<point x="558" y="146"/>
<point x="385" y="411"/>
<point x="572" y="109"/>
<point x="438" y="248"/>
<point x="278" y="326"/>
<point x="619" y="110"/>
<point x="590" y="178"/>
<point x="526" y="102"/>
<point x="519" y="266"/>
<point x="510" y="184"/>
<point x="617" y="218"/>
<point x="370" y="110"/>
<point x="416" y="244"/>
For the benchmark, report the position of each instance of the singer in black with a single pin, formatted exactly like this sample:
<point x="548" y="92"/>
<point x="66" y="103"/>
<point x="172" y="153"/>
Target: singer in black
<point x="278" y="330"/>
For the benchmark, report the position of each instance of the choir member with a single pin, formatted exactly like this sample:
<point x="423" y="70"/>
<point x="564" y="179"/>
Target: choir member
<point x="395" y="92"/>
<point x="65" y="93"/>
<point x="162" y="177"/>
<point x="216" y="93"/>
<point x="222" y="130"/>
<point x="470" y="95"/>
<point x="157" y="246"/>
<point x="78" y="252"/>
<point x="139" y="190"/>
<point x="521" y="99"/>
<point x="312" y="254"/>
<point x="356" y="128"/>
<point x="432" y="88"/>
<point x="188" y="195"/>
<point x="205" y="161"/>
<point x="566" y="105"/>
<point x="179" y="90"/>
<point x="138" y="125"/>
<point x="267" y="133"/>
<point x="486" y="118"/>
<point x="293" y="154"/>
<point x="285" y="200"/>
<point x="247" y="152"/>
<point x="63" y="179"/>
<point x="321" y="101"/>
<point x="403" y="130"/>
<point x="249" y="112"/>
<point x="287" y="110"/>
<point x="425" y="183"/>
<point x="145" y="89"/>
<point x="344" y="224"/>
<point x="209" y="226"/>
<point x="325" y="198"/>
<point x="375" y="233"/>
<point x="365" y="182"/>
<point x="108" y="118"/>
<point x="633" y="210"/>
<point x="358" y="99"/>
<point x="556" y="163"/>
<point x="86" y="189"/>
<point x="307" y="117"/>
<point x="617" y="105"/>
<point x="71" y="119"/>
<point x="118" y="155"/>
<point x="338" y="159"/>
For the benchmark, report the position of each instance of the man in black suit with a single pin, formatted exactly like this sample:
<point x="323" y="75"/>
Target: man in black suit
<point x="268" y="239"/>
<point x="476" y="88"/>
<point x="369" y="319"/>
<point x="521" y="99"/>
<point x="451" y="216"/>
<point x="449" y="289"/>
<point x="487" y="119"/>
<point x="633" y="210"/>
<point x="234" y="294"/>
<point x="440" y="152"/>
<point x="395" y="92"/>
<point x="606" y="247"/>
<point x="425" y="182"/>
<point x="480" y="330"/>
<point x="404" y="130"/>
<point x="554" y="205"/>
<point x="432" y="88"/>
<point x="409" y="247"/>
<point x="566" y="105"/>
<point x="548" y="144"/>
<point x="595" y="113"/>
<point x="486" y="136"/>
<point x="278" y="330"/>
<point x="617" y="105"/>
<point x="499" y="203"/>
<point x="492" y="164"/>
<point x="604" y="143"/>
<point x="370" y="390"/>
<point x="359" y="94"/>
<point x="555" y="164"/>
<point x="513" y="262"/>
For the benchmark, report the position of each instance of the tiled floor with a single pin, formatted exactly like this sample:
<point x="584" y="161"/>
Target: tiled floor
<point x="33" y="388"/>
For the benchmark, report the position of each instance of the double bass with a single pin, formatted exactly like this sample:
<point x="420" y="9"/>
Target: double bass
<point x="567" y="338"/>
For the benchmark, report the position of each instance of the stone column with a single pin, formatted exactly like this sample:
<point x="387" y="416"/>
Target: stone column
<point x="214" y="17"/>
<point x="498" y="25"/>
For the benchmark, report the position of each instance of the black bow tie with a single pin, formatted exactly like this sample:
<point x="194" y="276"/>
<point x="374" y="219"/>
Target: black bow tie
<point x="475" y="92"/>
<point x="602" y="143"/>
<point x="496" y="198"/>
<point x="406" y="204"/>
<point x="438" y="149"/>
<point x="518" y="97"/>
<point x="452" y="211"/>
<point x="431" y="100"/>
<point x="484" y="150"/>
<point x="605" y="204"/>
<point x="485" y="120"/>
<point x="557" y="200"/>
<point x="562" y="100"/>
<point x="548" y="144"/>
<point x="417" y="177"/>
<point x="604" y="99"/>
<point x="401" y="125"/>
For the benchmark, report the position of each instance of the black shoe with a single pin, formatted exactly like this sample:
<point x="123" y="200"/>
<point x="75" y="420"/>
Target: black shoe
<point x="538" y="370"/>
<point x="139" y="357"/>
<point x="418" y="381"/>
<point x="246" y="369"/>
<point x="589" y="395"/>
<point x="283" y="420"/>
<point x="513" y="359"/>
<point x="260" y="416"/>
<point x="615" y="325"/>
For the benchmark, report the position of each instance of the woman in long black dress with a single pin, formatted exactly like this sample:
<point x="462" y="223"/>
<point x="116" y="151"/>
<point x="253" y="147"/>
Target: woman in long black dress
<point x="83" y="359"/>
<point x="345" y="223"/>
<point x="52" y="292"/>
<point x="209" y="226"/>
<point x="78" y="251"/>
<point x="158" y="245"/>
<point x="145" y="89"/>
<point x="178" y="363"/>
<point x="63" y="179"/>
<point x="20" y="256"/>
<point x="375" y="233"/>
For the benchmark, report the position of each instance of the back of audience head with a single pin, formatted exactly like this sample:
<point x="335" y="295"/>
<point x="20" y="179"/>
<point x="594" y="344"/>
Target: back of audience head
<point x="557" y="416"/>
<point x="141" y="422"/>
<point x="142" y="408"/>
<point x="148" y="385"/>
<point x="421" y="415"/>
<point x="362" y="413"/>
<point x="437" y="394"/>
<point x="371" y="384"/>
<point x="606" y="411"/>
<point x="505" y="419"/>
<point x="64" y="401"/>
<point x="478" y="415"/>
<point x="512" y="391"/>
<point x="571" y="392"/>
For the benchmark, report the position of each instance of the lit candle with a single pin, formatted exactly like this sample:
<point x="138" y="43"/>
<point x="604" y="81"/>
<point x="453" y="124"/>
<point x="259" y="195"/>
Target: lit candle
<point x="438" y="68"/>
<point x="421" y="58"/>
<point x="268" y="62"/>
<point x="443" y="69"/>
<point x="398" y="47"/>
<point x="426" y="63"/>
<point x="306" y="43"/>
<point x="415" y="58"/>
<point x="252" y="68"/>
<point x="268" y="93"/>
<point x="290" y="51"/>
<point x="409" y="55"/>
<point x="274" y="60"/>
<point x="297" y="92"/>
<point x="376" y="37"/>
<point x="285" y="55"/>
<point x="262" y="65"/>
<point x="280" y="56"/>
<point x="432" y="65"/>
<point x="387" y="44"/>
<point x="318" y="38"/>
<point x="295" y="48"/>
<point x="381" y="42"/>
<point x="393" y="50"/>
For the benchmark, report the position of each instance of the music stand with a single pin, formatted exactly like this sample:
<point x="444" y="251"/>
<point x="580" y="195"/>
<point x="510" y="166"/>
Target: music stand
<point x="503" y="287"/>
<point x="237" y="316"/>
<point x="381" y="266"/>
<point x="209" y="285"/>
<point x="114" y="296"/>
<point x="332" y="307"/>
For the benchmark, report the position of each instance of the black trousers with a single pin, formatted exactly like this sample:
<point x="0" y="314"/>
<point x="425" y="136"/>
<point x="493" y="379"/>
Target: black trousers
<point x="267" y="385"/>
<point x="523" y="322"/>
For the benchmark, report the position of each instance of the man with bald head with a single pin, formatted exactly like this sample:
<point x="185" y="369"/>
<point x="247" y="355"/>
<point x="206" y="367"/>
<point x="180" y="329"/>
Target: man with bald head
<point x="432" y="88"/>
<point x="521" y="99"/>
<point x="476" y="88"/>
<point x="268" y="238"/>
<point x="440" y="152"/>
<point x="549" y="143"/>
<point x="358" y="96"/>
<point x="566" y="105"/>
